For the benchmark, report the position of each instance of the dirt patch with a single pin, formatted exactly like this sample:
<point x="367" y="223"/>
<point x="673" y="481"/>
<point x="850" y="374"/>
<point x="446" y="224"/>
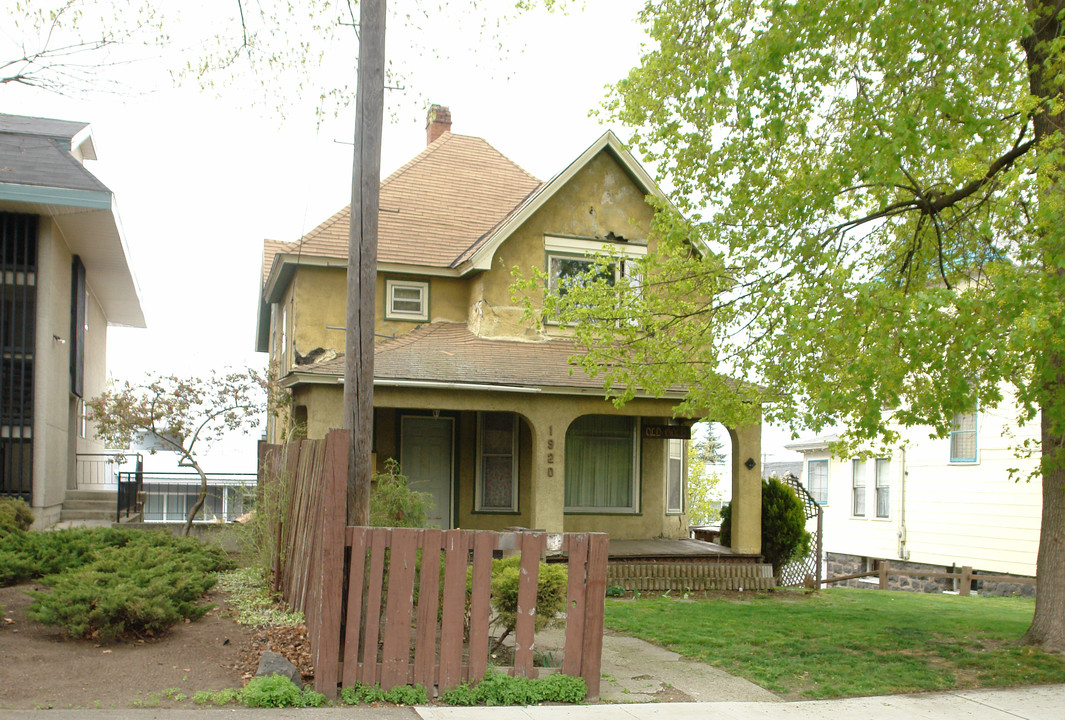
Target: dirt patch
<point x="42" y="668"/>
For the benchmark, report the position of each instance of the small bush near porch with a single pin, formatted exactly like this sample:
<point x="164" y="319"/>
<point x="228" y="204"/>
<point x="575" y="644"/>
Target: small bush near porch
<point x="844" y="642"/>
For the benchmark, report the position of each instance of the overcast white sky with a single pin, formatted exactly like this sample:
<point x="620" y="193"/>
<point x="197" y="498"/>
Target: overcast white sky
<point x="201" y="180"/>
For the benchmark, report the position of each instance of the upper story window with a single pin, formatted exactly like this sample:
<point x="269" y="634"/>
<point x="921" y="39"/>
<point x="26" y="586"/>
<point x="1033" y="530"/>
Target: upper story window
<point x="817" y="480"/>
<point x="963" y="438"/>
<point x="883" y="487"/>
<point x="569" y="260"/>
<point x="406" y="300"/>
<point x="858" y="488"/>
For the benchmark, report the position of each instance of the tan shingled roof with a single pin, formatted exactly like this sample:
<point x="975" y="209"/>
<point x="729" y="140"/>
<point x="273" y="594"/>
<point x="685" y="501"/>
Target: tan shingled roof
<point x="450" y="353"/>
<point x="434" y="208"/>
<point x="272" y="248"/>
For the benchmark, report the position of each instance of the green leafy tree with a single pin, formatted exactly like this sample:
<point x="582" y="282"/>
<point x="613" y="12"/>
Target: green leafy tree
<point x="869" y="214"/>
<point x="704" y="498"/>
<point x="181" y="415"/>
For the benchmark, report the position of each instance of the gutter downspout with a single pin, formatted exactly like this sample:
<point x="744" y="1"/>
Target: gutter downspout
<point x="904" y="554"/>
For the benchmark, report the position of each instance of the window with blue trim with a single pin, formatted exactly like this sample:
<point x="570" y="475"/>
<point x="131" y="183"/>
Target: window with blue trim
<point x="817" y="480"/>
<point x="963" y="438"/>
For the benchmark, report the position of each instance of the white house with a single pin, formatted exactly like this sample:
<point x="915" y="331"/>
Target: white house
<point x="932" y="503"/>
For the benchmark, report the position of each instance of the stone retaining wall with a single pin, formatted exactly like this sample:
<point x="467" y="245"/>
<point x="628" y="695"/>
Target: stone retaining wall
<point x="843" y="564"/>
<point x="683" y="576"/>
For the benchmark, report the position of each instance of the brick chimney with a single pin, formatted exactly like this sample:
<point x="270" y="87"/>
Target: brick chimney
<point x="437" y="123"/>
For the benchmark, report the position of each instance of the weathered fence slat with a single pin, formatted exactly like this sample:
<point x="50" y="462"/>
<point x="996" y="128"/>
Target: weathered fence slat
<point x="372" y="628"/>
<point x="428" y="604"/>
<point x="452" y="621"/>
<point x="331" y="568"/>
<point x="484" y="543"/>
<point x="396" y="653"/>
<point x="594" y="611"/>
<point x="358" y="539"/>
<point x="576" y="547"/>
<point x="532" y="545"/>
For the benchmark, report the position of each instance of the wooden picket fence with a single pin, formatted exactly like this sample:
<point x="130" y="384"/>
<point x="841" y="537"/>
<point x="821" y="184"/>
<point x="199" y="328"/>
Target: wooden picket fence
<point x="390" y="605"/>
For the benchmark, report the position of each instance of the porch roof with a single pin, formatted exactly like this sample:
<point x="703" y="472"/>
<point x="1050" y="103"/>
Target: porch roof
<point x="443" y="353"/>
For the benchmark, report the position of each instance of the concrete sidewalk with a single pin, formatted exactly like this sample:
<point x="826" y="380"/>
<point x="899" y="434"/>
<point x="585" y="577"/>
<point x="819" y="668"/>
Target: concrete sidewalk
<point x="1046" y="702"/>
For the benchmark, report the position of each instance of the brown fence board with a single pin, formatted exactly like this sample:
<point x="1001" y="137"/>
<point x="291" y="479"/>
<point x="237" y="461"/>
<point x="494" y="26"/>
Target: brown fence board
<point x="532" y="545"/>
<point x="333" y="508"/>
<point x="357" y="540"/>
<point x="594" y="611"/>
<point x="375" y="584"/>
<point x="576" y="547"/>
<point x="425" y="668"/>
<point x="396" y="653"/>
<point x="484" y="543"/>
<point x="453" y="618"/>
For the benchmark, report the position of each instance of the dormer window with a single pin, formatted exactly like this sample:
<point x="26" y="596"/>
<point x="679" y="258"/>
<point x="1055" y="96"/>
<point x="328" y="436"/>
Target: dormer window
<point x="407" y="300"/>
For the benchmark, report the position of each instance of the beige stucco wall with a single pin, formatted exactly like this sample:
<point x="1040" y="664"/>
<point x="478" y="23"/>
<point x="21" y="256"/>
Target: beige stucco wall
<point x="600" y="198"/>
<point x="545" y="419"/>
<point x="95" y="369"/>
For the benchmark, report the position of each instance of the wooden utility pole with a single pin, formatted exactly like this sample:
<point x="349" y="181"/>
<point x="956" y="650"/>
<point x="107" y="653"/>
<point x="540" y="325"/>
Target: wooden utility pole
<point x="362" y="257"/>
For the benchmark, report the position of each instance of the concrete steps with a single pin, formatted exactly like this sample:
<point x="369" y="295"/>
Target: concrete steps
<point x="89" y="505"/>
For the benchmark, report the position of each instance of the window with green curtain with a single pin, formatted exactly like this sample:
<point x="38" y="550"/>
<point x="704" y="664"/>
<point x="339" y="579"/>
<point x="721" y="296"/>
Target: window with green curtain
<point x="601" y="464"/>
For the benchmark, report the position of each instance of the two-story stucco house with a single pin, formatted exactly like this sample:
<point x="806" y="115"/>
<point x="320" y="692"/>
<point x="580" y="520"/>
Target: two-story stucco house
<point x="932" y="503"/>
<point x="66" y="276"/>
<point x="481" y="406"/>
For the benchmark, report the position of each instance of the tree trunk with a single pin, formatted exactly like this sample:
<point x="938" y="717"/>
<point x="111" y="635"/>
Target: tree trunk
<point x="198" y="505"/>
<point x="1048" y="624"/>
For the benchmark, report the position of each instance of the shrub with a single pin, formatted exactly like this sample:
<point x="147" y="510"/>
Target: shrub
<point x="401" y="695"/>
<point x="32" y="555"/>
<point x="15" y="515"/>
<point x="394" y="504"/>
<point x="276" y="691"/>
<point x="500" y="689"/>
<point x="138" y="588"/>
<point x="550" y="592"/>
<point x="784" y="535"/>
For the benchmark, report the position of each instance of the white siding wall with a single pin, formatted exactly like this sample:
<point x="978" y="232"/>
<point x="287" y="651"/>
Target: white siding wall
<point x="964" y="514"/>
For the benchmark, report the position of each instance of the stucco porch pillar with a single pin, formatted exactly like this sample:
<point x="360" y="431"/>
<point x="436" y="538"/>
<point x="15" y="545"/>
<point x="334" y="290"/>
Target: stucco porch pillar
<point x="747" y="489"/>
<point x="548" y="467"/>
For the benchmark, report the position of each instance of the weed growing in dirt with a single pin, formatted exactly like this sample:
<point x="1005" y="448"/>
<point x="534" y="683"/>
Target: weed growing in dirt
<point x="272" y="691"/>
<point x="500" y="689"/>
<point x="402" y="695"/>
<point x="248" y="592"/>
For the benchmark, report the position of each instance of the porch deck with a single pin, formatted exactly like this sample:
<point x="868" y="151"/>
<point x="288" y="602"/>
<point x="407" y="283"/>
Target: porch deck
<point x="682" y="565"/>
<point x="676" y="549"/>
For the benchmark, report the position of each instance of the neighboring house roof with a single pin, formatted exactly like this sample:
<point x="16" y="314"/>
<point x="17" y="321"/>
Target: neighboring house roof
<point x="780" y="468"/>
<point x="41" y="174"/>
<point x="448" y="354"/>
<point x="813" y="444"/>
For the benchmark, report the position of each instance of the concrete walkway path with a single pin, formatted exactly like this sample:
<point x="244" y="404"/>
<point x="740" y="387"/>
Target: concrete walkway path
<point x="1045" y="702"/>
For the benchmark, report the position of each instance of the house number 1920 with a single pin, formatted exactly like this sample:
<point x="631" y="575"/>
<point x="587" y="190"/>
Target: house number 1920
<point x="550" y="455"/>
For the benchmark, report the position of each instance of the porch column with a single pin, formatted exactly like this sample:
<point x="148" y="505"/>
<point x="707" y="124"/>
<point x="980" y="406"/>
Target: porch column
<point x="548" y="469"/>
<point x="747" y="489"/>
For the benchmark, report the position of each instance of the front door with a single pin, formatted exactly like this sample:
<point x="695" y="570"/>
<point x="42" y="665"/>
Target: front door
<point x="425" y="458"/>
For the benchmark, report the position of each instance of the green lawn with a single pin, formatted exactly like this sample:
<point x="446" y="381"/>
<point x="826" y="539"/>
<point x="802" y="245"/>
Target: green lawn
<point x="842" y="642"/>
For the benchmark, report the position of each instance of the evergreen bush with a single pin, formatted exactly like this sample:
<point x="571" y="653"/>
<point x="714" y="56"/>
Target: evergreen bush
<point x="15" y="515"/>
<point x="784" y="534"/>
